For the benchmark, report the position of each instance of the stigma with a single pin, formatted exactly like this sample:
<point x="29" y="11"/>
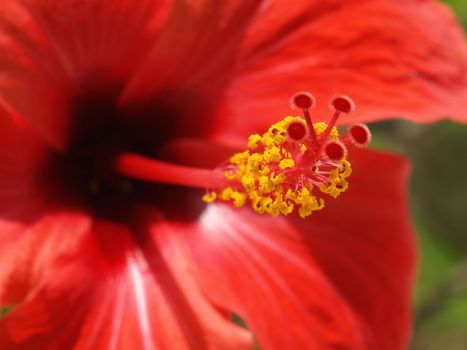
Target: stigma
<point x="296" y="165"/>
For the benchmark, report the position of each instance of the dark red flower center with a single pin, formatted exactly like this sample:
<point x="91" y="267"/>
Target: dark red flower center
<point x="86" y="174"/>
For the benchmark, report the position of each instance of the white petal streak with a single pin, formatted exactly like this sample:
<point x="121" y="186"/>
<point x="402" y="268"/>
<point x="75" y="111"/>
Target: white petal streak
<point x="267" y="279"/>
<point x="137" y="283"/>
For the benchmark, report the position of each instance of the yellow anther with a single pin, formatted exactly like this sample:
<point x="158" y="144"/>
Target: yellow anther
<point x="335" y="188"/>
<point x="345" y="169"/>
<point x="337" y="182"/>
<point x="226" y="194"/>
<point x="304" y="196"/>
<point x="262" y="169"/>
<point x="269" y="140"/>
<point x="264" y="185"/>
<point x="286" y="207"/>
<point x="304" y="211"/>
<point x="253" y="195"/>
<point x="239" y="158"/>
<point x="265" y="203"/>
<point x="248" y="182"/>
<point x="255" y="160"/>
<point x="277" y="179"/>
<point x="290" y="194"/>
<point x="253" y="141"/>
<point x="320" y="127"/>
<point x="272" y="154"/>
<point x="286" y="164"/>
<point x="256" y="165"/>
<point x="238" y="198"/>
<point x="257" y="205"/>
<point x="210" y="197"/>
<point x="310" y="206"/>
<point x="274" y="208"/>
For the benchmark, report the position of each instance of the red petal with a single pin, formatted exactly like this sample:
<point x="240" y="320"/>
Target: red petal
<point x="374" y="258"/>
<point x="105" y="295"/>
<point x="341" y="279"/>
<point x="53" y="50"/>
<point x="29" y="239"/>
<point x="393" y="58"/>
<point x="258" y="268"/>
<point x="28" y="251"/>
<point x="199" y="153"/>
<point x="192" y="59"/>
<point x="20" y="155"/>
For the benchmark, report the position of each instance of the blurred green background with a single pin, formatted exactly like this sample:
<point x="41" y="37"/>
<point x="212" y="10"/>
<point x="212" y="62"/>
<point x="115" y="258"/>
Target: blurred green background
<point x="438" y="198"/>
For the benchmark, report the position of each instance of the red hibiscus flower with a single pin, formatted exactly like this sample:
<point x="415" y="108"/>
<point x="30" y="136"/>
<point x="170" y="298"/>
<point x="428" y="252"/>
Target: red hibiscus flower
<point x="93" y="259"/>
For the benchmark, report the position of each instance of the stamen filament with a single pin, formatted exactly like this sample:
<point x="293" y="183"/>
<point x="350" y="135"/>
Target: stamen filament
<point x="311" y="129"/>
<point x="331" y="125"/>
<point x="142" y="168"/>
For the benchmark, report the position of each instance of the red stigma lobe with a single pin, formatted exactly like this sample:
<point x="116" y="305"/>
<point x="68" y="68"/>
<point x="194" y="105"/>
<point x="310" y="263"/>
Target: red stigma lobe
<point x="335" y="150"/>
<point x="296" y="131"/>
<point x="360" y="135"/>
<point x="303" y="100"/>
<point x="342" y="104"/>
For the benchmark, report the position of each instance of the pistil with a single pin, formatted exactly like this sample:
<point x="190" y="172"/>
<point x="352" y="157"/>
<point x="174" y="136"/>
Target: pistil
<point x="293" y="165"/>
<point x="138" y="167"/>
<point x="304" y="101"/>
<point x="340" y="104"/>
